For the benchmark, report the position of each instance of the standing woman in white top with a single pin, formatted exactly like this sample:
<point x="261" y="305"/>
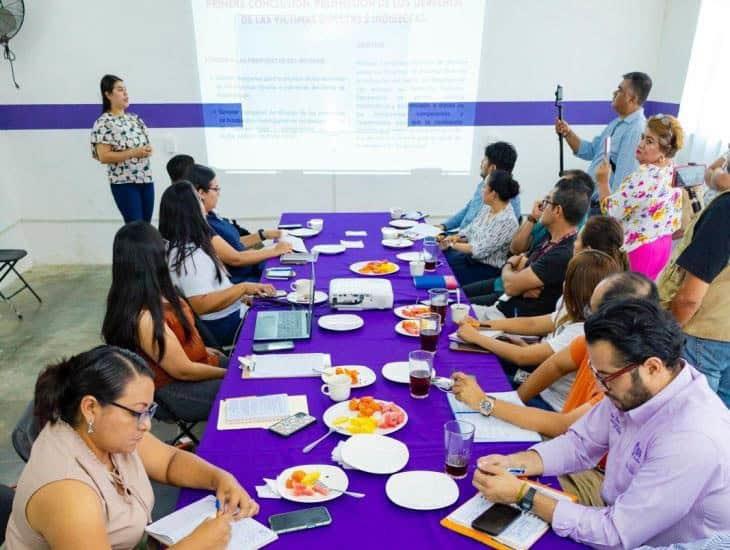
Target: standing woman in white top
<point x="194" y="267"/>
<point x="119" y="140"/>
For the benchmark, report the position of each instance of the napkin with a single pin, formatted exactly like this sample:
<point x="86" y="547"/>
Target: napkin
<point x="352" y="244"/>
<point x="353" y="233"/>
<point x="337" y="457"/>
<point x="267" y="491"/>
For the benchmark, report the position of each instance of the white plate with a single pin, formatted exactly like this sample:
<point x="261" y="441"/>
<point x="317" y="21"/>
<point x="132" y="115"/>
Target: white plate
<point x="357" y="266"/>
<point x="304" y="232"/>
<point x="410" y="256"/>
<point x="403" y="224"/>
<point x="400" y="330"/>
<point x="422" y="490"/>
<point x="340" y="322"/>
<point x="332" y="476"/>
<point x="328" y="248"/>
<point x="319" y="298"/>
<point x="396" y="243"/>
<point x="397" y="371"/>
<point x="366" y="376"/>
<point x="375" y="454"/>
<point x="401" y="311"/>
<point x="343" y="409"/>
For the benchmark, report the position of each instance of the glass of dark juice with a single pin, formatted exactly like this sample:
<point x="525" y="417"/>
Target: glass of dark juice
<point x="430" y="253"/>
<point x="438" y="298"/>
<point x="420" y="367"/>
<point x="458" y="438"/>
<point x="429" y="327"/>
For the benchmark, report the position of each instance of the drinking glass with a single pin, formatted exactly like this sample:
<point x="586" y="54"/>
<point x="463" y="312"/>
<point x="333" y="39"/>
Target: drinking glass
<point x="420" y="368"/>
<point x="430" y="253"/>
<point x="429" y="328"/>
<point x="458" y="437"/>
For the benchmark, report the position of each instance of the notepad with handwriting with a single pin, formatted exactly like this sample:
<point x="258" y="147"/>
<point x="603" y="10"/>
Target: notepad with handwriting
<point x="246" y="534"/>
<point x="490" y="429"/>
<point x="285" y="365"/>
<point x="258" y="411"/>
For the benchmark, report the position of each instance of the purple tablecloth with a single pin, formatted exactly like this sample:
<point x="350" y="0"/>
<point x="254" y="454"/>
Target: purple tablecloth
<point x="253" y="454"/>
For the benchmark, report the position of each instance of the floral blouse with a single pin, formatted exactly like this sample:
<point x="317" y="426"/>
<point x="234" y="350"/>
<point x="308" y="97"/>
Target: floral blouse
<point x="122" y="132"/>
<point x="491" y="234"/>
<point x="646" y="204"/>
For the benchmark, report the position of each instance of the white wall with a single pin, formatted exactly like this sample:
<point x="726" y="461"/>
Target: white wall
<point x="63" y="200"/>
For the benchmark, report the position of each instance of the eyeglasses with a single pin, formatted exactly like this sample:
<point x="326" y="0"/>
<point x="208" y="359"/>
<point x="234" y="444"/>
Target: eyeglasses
<point x="545" y="202"/>
<point x="141" y="417"/>
<point x="604" y="379"/>
<point x="217" y="189"/>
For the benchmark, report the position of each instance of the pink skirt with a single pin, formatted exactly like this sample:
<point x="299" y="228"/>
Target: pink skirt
<point x="650" y="258"/>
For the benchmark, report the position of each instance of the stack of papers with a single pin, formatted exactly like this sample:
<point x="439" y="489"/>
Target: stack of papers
<point x="422" y="230"/>
<point x="454" y="337"/>
<point x="247" y="534"/>
<point x="259" y="411"/>
<point x="285" y="365"/>
<point x="490" y="429"/>
<point x="296" y="243"/>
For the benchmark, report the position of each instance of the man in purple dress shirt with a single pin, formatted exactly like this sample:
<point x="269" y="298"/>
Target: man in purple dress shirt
<point x="665" y="431"/>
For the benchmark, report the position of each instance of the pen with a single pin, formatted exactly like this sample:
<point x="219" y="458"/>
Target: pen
<point x="516" y="471"/>
<point x="217" y="505"/>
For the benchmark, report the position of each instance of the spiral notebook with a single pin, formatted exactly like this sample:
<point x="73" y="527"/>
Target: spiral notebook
<point x="521" y="534"/>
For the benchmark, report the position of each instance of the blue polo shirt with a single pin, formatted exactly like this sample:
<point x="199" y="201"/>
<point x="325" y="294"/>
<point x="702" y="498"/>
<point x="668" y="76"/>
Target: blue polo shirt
<point x="229" y="233"/>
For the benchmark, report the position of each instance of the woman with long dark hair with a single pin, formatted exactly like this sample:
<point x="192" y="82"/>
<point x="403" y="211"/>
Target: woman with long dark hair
<point x="120" y="140"/>
<point x="145" y="314"/>
<point x="87" y="482"/>
<point x="195" y="267"/>
<point x="237" y="252"/>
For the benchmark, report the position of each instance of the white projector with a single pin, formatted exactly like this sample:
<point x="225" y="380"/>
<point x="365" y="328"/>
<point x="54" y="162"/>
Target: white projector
<point x="361" y="294"/>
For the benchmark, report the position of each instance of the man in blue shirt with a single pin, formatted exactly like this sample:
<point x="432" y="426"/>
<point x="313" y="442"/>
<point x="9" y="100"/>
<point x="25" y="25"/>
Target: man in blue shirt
<point x="625" y="132"/>
<point x="499" y="155"/>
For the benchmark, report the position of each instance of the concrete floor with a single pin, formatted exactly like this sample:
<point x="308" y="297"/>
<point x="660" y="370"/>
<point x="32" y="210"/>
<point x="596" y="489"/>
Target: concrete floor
<point x="67" y="322"/>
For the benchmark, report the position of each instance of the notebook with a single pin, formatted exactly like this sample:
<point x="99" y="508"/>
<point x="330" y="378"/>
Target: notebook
<point x="258" y="411"/>
<point x="284" y="365"/>
<point x="246" y="534"/>
<point x="521" y="534"/>
<point x="490" y="429"/>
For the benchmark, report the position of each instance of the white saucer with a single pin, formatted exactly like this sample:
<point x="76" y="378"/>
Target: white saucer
<point x="422" y="490"/>
<point x="304" y="232"/>
<point x="396" y="243"/>
<point x="403" y="224"/>
<point x="319" y="298"/>
<point x="366" y="376"/>
<point x="397" y="371"/>
<point x="375" y="454"/>
<point x="400" y="330"/>
<point x="341" y="322"/>
<point x="328" y="249"/>
<point x="410" y="256"/>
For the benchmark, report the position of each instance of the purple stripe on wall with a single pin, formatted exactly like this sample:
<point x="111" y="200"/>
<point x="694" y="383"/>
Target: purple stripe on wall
<point x="155" y="115"/>
<point x="202" y="115"/>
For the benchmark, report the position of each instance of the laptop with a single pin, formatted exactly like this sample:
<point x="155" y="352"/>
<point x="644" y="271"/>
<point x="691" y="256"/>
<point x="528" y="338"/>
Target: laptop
<point x="291" y="324"/>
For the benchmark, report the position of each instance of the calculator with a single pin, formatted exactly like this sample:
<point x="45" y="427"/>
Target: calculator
<point x="292" y="424"/>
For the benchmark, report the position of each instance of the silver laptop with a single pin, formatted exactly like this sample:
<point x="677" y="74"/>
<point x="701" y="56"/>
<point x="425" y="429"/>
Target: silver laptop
<point x="291" y="324"/>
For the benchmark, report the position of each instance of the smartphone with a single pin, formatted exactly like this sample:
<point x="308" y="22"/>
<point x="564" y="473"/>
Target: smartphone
<point x="689" y="175"/>
<point x="607" y="148"/>
<point x="280" y="273"/>
<point x="300" y="519"/>
<point x="290" y="225"/>
<point x="496" y="519"/>
<point x="292" y="424"/>
<point x="265" y="347"/>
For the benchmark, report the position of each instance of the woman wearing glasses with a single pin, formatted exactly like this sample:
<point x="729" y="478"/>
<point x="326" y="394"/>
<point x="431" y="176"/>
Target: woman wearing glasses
<point x="645" y="203"/>
<point x="146" y="315"/>
<point x="234" y="250"/>
<point x="87" y="483"/>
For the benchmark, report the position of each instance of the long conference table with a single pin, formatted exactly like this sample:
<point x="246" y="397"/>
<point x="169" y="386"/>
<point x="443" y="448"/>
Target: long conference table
<point x="373" y="521"/>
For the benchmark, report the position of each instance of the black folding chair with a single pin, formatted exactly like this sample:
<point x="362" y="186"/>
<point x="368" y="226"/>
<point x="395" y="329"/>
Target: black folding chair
<point x="165" y="414"/>
<point x="8" y="259"/>
<point x="25" y="432"/>
<point x="6" y="506"/>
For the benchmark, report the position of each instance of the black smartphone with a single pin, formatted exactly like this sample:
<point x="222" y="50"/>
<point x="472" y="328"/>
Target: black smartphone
<point x="300" y="519"/>
<point x="265" y="347"/>
<point x="689" y="175"/>
<point x="290" y="225"/>
<point x="292" y="424"/>
<point x="496" y="519"/>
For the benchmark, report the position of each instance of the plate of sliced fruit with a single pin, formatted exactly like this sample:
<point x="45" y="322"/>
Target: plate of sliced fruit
<point x="360" y="375"/>
<point x="366" y="415"/>
<point x="408" y="327"/>
<point x="411" y="311"/>
<point x="374" y="268"/>
<point x="312" y="483"/>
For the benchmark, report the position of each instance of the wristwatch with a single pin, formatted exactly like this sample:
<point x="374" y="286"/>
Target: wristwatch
<point x="531" y="218"/>
<point x="261" y="235"/>
<point x="486" y="405"/>
<point x="527" y="501"/>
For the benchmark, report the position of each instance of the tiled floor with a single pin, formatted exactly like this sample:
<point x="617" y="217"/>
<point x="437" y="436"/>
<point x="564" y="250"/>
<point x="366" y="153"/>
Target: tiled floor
<point x="68" y="322"/>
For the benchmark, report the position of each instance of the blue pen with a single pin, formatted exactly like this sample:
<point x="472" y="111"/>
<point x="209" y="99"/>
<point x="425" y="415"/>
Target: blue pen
<point x="516" y="471"/>
<point x="217" y="505"/>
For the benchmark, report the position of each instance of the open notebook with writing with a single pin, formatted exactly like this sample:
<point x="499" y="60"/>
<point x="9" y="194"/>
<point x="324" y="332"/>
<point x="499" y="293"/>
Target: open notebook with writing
<point x="246" y="534"/>
<point x="490" y="429"/>
<point x="521" y="534"/>
<point x="258" y="411"/>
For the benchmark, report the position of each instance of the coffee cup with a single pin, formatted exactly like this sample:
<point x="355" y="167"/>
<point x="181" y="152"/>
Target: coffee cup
<point x="315" y="223"/>
<point x="302" y="288"/>
<point x="396" y="213"/>
<point x="389" y="233"/>
<point x="337" y="387"/>
<point x="417" y="268"/>
<point x="459" y="312"/>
